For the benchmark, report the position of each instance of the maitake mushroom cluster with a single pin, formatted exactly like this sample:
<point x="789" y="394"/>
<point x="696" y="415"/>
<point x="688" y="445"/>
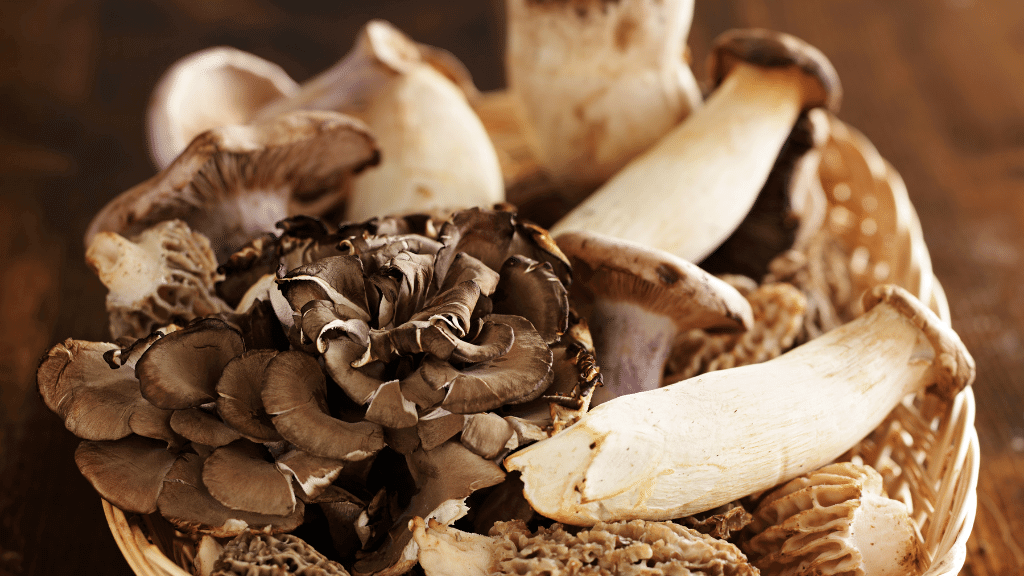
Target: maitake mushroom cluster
<point x="327" y="322"/>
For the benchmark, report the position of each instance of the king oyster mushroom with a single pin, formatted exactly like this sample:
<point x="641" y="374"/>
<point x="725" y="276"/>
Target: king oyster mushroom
<point x="714" y="163"/>
<point x="598" y="83"/>
<point x="835" y="520"/>
<point x="704" y="442"/>
<point x="407" y="93"/>
<point x="234" y="183"/>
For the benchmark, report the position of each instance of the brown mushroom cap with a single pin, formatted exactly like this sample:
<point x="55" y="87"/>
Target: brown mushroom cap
<point x="240" y="401"/>
<point x="771" y="49"/>
<point x="186" y="503"/>
<point x="241" y="476"/>
<point x="486" y="434"/>
<point x="294" y="393"/>
<point x="618" y="270"/>
<point x="95" y="400"/>
<point x="128" y="473"/>
<point x="198" y="425"/>
<point x="234" y="183"/>
<point x="532" y="290"/>
<point x="312" y="475"/>
<point x="181" y="369"/>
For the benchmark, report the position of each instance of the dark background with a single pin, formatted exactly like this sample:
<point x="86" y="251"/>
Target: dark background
<point x="937" y="85"/>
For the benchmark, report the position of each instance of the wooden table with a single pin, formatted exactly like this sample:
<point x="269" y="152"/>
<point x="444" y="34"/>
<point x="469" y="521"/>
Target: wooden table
<point x="938" y="86"/>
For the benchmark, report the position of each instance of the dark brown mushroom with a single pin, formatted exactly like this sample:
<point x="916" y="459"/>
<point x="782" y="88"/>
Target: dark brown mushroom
<point x="239" y="396"/>
<point x="198" y="425"/>
<point x="486" y="434"/>
<point x="186" y="503"/>
<point x="98" y="401"/>
<point x="181" y="369"/>
<point x="532" y="290"/>
<point x="241" y="476"/>
<point x="128" y="473"/>
<point x="294" y="394"/>
<point x="312" y="475"/>
<point x="444" y="478"/>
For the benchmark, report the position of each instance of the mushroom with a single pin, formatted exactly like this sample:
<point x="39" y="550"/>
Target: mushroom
<point x="241" y="476"/>
<point x="703" y="442"/>
<point x="835" y="520"/>
<point x="255" y="552"/>
<point x="445" y="477"/>
<point x="165" y="275"/>
<point x="639" y="299"/>
<point x="654" y="548"/>
<point x="128" y="473"/>
<point x="598" y="83"/>
<point x="229" y="82"/>
<point x="715" y="163"/>
<point x="186" y="503"/>
<point x="97" y="400"/>
<point x="779" y="310"/>
<point x="407" y="93"/>
<point x="234" y="183"/>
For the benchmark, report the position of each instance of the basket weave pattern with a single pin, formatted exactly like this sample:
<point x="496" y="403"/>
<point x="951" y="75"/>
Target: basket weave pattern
<point x="926" y="449"/>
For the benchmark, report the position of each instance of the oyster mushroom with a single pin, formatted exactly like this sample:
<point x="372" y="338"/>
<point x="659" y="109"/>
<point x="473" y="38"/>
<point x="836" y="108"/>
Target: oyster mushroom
<point x="715" y="163"/>
<point x="242" y="476"/>
<point x="234" y="183"/>
<point x="655" y="548"/>
<point x="165" y="275"/>
<point x="407" y="93"/>
<point x="835" y="520"/>
<point x="703" y="442"/>
<point x="637" y="300"/>
<point x="598" y="83"/>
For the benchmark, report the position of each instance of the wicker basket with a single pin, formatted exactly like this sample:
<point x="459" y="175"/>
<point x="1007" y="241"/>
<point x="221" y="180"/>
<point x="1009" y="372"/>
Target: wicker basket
<point x="927" y="450"/>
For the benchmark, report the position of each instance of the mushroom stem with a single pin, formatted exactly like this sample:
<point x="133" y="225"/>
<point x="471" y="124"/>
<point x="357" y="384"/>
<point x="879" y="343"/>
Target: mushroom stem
<point x="634" y="345"/>
<point x="715" y="438"/>
<point x="714" y="164"/>
<point x="599" y="81"/>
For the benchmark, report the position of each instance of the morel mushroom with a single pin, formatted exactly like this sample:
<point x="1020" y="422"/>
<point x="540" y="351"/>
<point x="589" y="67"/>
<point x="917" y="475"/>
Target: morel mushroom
<point x="655" y="548"/>
<point x="835" y="520"/>
<point x="253" y="552"/>
<point x="598" y="82"/>
<point x="233" y="183"/>
<point x="714" y="164"/>
<point x="164" y="276"/>
<point x="703" y="442"/>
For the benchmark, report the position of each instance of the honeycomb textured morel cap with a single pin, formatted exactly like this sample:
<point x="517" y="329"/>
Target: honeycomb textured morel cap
<point x="260" y="554"/>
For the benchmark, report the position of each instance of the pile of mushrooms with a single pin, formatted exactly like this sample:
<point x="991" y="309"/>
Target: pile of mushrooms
<point x="328" y="323"/>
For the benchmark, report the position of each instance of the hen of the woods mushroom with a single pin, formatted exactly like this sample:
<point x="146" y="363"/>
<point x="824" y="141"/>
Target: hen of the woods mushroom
<point x="375" y="371"/>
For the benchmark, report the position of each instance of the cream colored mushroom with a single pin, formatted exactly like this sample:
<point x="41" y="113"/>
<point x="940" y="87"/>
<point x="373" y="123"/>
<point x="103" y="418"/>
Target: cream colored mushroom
<point x="598" y="82"/>
<point x="436" y="154"/>
<point x="230" y="82"/>
<point x="713" y="165"/>
<point x="835" y="521"/>
<point x="703" y="442"/>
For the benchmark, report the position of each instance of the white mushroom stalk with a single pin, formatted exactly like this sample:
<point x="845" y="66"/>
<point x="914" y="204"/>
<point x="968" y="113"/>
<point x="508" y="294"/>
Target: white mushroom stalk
<point x="713" y="165"/>
<point x="408" y="94"/>
<point x="598" y="82"/>
<point x="703" y="442"/>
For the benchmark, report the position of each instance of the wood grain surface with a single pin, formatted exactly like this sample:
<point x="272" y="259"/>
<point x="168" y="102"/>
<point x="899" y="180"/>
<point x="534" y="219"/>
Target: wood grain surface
<point x="937" y="85"/>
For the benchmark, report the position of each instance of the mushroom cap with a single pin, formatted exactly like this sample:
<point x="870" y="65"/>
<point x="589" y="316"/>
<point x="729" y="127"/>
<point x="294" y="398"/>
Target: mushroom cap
<point x="206" y="89"/>
<point x="619" y="270"/>
<point x="239" y="400"/>
<point x="181" y="369"/>
<point x="233" y="183"/>
<point x="771" y="49"/>
<point x="128" y="473"/>
<point x="186" y="503"/>
<point x="241" y="476"/>
<point x="835" y="520"/>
